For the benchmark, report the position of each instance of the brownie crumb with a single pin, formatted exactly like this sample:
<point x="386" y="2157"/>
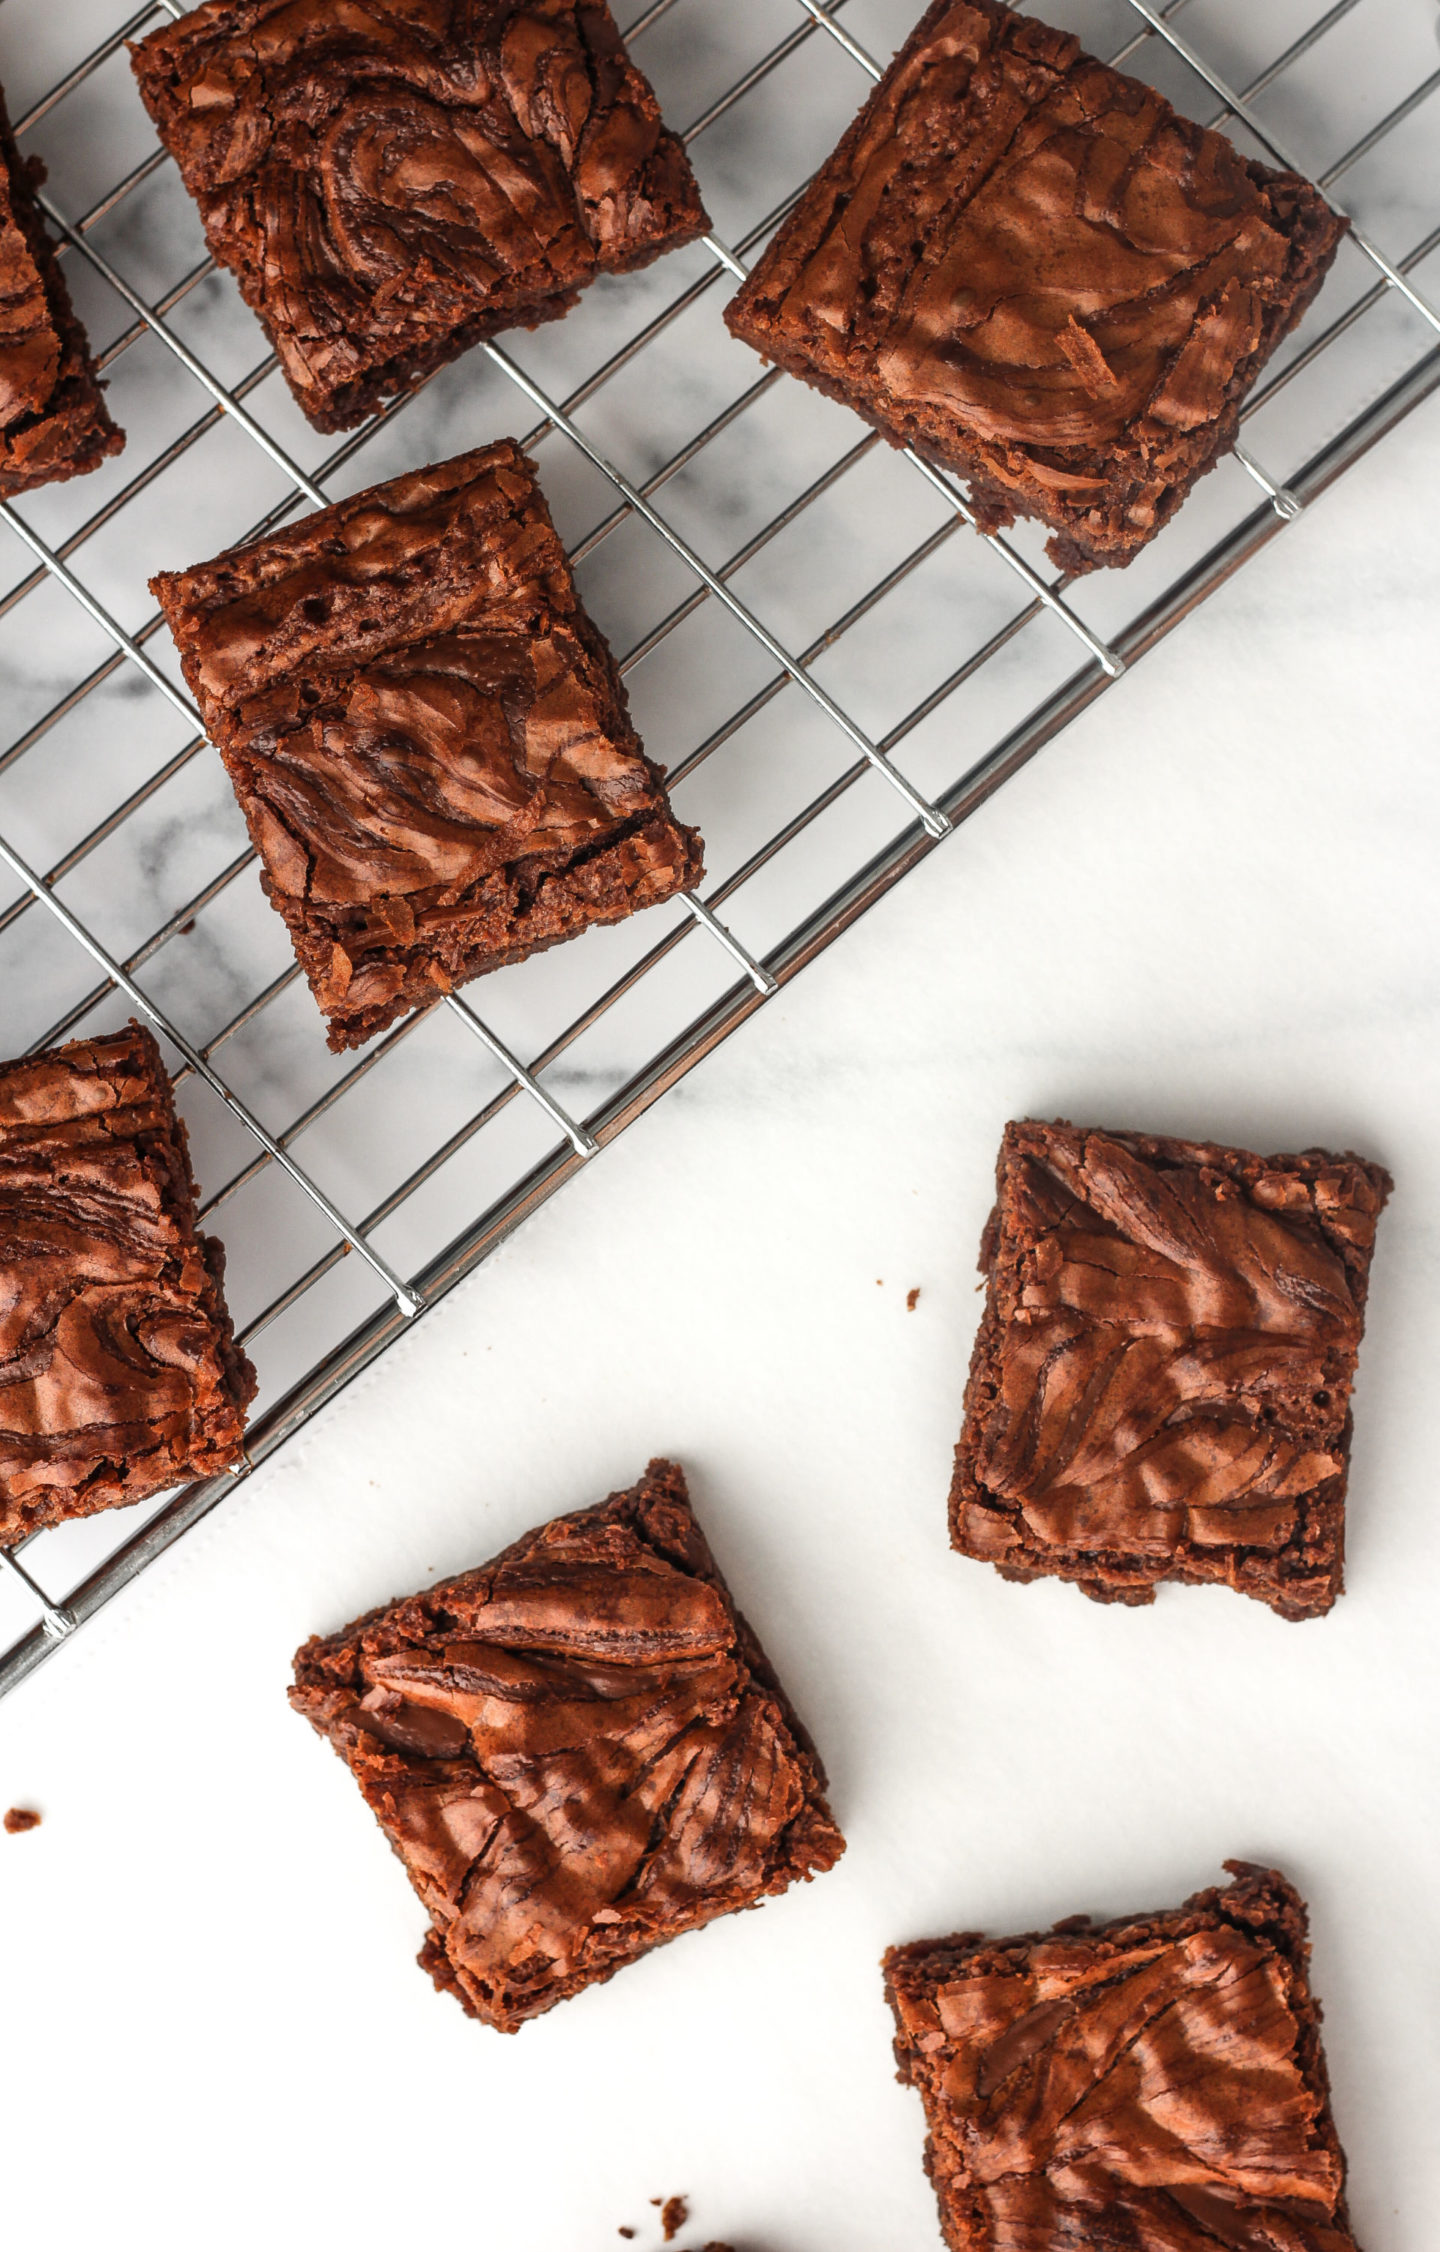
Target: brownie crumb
<point x="21" y="1818"/>
<point x="624" y="2232"/>
<point x="673" y="2217"/>
<point x="912" y="1299"/>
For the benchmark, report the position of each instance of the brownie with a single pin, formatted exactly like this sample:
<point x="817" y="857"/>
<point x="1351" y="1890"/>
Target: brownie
<point x="119" y="1370"/>
<point x="1156" y="2083"/>
<point x="578" y="1751"/>
<point x="429" y="739"/>
<point x="53" y="422"/>
<point x="1031" y="269"/>
<point x="391" y="180"/>
<point x="1161" y="1382"/>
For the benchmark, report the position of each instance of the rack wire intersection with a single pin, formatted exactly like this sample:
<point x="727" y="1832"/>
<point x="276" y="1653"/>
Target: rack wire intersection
<point x="779" y="607"/>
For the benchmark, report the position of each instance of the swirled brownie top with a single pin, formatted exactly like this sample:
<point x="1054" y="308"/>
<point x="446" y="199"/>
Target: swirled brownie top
<point x="578" y="1751"/>
<point x="427" y="736"/>
<point x="1157" y="2082"/>
<point x="390" y="180"/>
<point x="1161" y="1383"/>
<point x="119" y="1372"/>
<point x="53" y="420"/>
<point x="1031" y="267"/>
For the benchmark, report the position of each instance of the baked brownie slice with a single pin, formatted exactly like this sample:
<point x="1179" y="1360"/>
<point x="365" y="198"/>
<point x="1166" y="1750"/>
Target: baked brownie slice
<point x="1031" y="269"/>
<point x="428" y="737"/>
<point x="53" y="422"/>
<point x="1156" y="2083"/>
<point x="391" y="180"/>
<point x="578" y="1751"/>
<point x="119" y="1370"/>
<point x="1161" y="1382"/>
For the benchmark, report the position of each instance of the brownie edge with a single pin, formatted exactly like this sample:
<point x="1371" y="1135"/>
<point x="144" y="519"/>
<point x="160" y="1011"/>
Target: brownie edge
<point x="578" y="1751"/>
<point x="54" y="423"/>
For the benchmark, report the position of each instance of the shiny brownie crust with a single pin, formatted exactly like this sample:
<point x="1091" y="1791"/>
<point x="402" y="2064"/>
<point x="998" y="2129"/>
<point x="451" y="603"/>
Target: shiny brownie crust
<point x="53" y="420"/>
<point x="392" y="180"/>
<point x="578" y="1751"/>
<point x="1161" y="1383"/>
<point x="428" y="737"/>
<point x="1031" y="269"/>
<point x="1156" y="2083"/>
<point x="119" y="1370"/>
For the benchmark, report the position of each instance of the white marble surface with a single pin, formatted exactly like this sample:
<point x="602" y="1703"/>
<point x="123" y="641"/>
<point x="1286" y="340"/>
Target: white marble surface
<point x="1211" y="908"/>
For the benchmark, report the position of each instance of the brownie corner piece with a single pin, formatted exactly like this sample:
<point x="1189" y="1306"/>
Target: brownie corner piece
<point x="393" y="181"/>
<point x="1160" y="1388"/>
<point x="427" y="735"/>
<point x="121" y="1372"/>
<point x="1154" y="2081"/>
<point x="53" y="420"/>
<point x="578" y="1751"/>
<point x="1033" y="270"/>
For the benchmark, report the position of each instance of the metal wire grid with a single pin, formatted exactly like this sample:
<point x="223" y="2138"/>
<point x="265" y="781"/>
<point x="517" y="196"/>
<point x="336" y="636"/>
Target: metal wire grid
<point x="926" y="815"/>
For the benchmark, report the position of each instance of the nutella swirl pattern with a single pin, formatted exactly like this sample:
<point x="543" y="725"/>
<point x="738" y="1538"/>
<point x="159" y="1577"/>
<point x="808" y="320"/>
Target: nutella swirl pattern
<point x="390" y="179"/>
<point x="1033" y="266"/>
<point x="1156" y="2085"/>
<point x="577" y="1752"/>
<point x="1092" y="266"/>
<point x="428" y="737"/>
<point x="1165" y="1364"/>
<point x="119" y="1374"/>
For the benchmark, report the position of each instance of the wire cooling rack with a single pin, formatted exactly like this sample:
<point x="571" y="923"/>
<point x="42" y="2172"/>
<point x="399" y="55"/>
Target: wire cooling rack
<point x="835" y="665"/>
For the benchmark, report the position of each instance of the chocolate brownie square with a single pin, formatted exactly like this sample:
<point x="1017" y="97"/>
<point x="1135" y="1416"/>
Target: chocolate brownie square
<point x="428" y="738"/>
<point x="391" y="180"/>
<point x="578" y="1751"/>
<point x="1156" y="2083"/>
<point x="119" y="1370"/>
<point x="53" y="422"/>
<point x="1161" y="1382"/>
<point x="1031" y="269"/>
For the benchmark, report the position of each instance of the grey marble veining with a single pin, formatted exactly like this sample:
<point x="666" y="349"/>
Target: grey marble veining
<point x="179" y="857"/>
